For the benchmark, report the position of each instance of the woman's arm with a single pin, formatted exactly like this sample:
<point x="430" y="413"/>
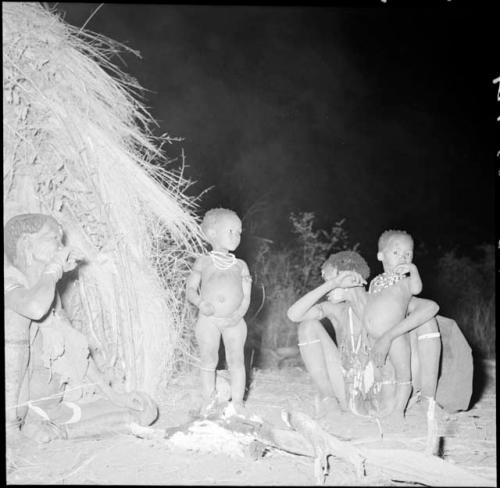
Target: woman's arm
<point x="35" y="302"/>
<point x="305" y="309"/>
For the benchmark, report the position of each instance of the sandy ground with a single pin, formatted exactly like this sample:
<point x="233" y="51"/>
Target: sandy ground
<point x="469" y="442"/>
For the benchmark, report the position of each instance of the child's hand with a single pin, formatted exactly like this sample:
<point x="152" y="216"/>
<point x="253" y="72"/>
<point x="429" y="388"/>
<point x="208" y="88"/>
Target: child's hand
<point x="405" y="268"/>
<point x="380" y="350"/>
<point x="206" y="308"/>
<point x="67" y="257"/>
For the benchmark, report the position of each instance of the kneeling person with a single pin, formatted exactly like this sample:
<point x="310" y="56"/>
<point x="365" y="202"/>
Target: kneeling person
<point x="40" y="400"/>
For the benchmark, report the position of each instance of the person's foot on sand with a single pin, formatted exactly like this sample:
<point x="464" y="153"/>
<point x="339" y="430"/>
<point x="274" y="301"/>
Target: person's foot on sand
<point x="208" y="408"/>
<point x="327" y="406"/>
<point x="236" y="408"/>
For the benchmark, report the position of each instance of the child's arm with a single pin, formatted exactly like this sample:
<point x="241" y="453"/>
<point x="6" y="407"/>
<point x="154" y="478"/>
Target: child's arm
<point x="246" y="285"/>
<point x="415" y="282"/>
<point x="305" y="309"/>
<point x="193" y="282"/>
<point x="420" y="310"/>
<point x="35" y="302"/>
<point x="192" y="286"/>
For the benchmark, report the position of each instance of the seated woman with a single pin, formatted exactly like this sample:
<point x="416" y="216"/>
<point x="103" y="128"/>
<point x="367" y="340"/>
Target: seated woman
<point x="47" y="360"/>
<point x="344" y="373"/>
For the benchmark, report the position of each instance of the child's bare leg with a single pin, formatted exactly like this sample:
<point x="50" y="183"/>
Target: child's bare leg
<point x="399" y="354"/>
<point x="429" y="353"/>
<point x="234" y="341"/>
<point x="322" y="360"/>
<point x="208" y="337"/>
<point x="416" y="378"/>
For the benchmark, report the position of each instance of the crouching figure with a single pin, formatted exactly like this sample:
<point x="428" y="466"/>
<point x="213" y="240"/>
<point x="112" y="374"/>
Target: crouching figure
<point x="49" y="369"/>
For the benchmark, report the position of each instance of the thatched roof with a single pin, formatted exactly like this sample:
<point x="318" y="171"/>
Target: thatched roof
<point x="77" y="146"/>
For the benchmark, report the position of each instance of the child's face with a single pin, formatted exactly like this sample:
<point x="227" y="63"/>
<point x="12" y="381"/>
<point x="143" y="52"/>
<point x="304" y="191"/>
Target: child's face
<point x="227" y="235"/>
<point x="399" y="250"/>
<point x="46" y="242"/>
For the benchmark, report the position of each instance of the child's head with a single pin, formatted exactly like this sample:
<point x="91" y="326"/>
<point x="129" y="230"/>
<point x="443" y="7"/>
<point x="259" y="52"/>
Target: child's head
<point x="222" y="227"/>
<point x="29" y="236"/>
<point x="395" y="247"/>
<point x="345" y="261"/>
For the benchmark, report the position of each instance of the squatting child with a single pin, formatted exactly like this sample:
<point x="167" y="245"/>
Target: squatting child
<point x="390" y="294"/>
<point x="220" y="285"/>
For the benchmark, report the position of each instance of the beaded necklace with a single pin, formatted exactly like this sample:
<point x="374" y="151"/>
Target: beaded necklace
<point x="222" y="260"/>
<point x="384" y="280"/>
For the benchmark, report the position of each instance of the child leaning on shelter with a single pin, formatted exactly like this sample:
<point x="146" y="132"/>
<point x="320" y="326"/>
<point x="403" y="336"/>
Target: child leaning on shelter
<point x="220" y="285"/>
<point x="388" y="304"/>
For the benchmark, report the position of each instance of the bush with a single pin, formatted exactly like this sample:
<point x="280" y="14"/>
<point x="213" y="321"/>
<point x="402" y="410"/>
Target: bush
<point x="466" y="292"/>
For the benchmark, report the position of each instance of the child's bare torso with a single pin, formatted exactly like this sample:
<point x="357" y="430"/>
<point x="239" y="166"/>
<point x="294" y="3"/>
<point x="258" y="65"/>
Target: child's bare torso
<point x="222" y="288"/>
<point x="387" y="307"/>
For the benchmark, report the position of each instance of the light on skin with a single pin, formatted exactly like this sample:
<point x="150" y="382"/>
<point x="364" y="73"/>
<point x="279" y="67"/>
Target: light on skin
<point x="225" y="235"/>
<point x="349" y="280"/>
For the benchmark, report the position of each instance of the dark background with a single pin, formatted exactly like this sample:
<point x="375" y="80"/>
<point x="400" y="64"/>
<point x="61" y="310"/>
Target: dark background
<point x="384" y="116"/>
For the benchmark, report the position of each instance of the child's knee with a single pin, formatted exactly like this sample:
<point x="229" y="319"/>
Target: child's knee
<point x="235" y="359"/>
<point x="209" y="358"/>
<point x="402" y="369"/>
<point x="428" y="327"/>
<point x="403" y="372"/>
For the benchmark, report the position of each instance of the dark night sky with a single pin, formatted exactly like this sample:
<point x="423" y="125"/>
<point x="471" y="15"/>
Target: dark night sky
<point x="384" y="116"/>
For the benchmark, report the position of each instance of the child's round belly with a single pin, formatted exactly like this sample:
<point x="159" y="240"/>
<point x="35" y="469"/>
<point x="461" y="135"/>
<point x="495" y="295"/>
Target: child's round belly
<point x="382" y="315"/>
<point x="224" y="293"/>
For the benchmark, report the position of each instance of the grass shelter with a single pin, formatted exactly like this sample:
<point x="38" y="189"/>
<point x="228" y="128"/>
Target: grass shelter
<point x="78" y="145"/>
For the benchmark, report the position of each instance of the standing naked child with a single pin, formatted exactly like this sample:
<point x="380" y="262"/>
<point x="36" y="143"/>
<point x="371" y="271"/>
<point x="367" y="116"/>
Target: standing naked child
<point x="220" y="286"/>
<point x="388" y="304"/>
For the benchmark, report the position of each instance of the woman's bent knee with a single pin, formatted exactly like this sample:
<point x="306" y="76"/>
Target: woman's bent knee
<point x="429" y="326"/>
<point x="308" y="329"/>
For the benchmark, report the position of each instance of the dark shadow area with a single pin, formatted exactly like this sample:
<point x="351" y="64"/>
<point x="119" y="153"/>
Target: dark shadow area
<point x="330" y="329"/>
<point x="480" y="379"/>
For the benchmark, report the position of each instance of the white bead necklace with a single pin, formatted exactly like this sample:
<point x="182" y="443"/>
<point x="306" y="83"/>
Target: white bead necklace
<point x="222" y="260"/>
<point x="384" y="280"/>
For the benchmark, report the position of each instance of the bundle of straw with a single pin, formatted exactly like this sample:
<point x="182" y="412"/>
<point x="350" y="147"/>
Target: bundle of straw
<point x="77" y="146"/>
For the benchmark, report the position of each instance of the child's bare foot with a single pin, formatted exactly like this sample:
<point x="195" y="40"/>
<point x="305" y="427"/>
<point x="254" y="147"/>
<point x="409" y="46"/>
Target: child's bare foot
<point x="236" y="408"/>
<point x="327" y="406"/>
<point x="208" y="407"/>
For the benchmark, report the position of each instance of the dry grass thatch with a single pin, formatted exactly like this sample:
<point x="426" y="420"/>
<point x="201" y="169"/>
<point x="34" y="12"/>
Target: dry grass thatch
<point x="77" y="146"/>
